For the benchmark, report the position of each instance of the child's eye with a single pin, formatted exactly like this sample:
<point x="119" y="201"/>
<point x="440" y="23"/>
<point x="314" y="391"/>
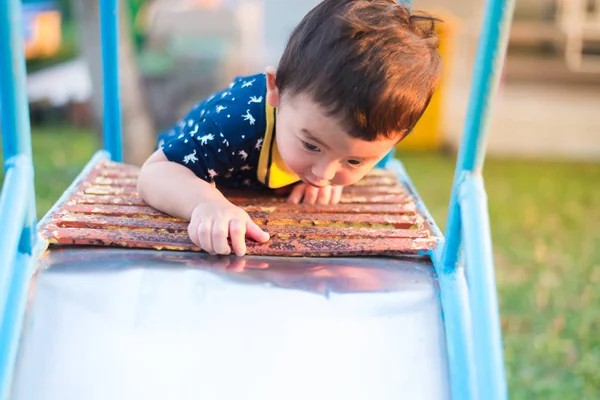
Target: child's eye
<point x="309" y="146"/>
<point x="354" y="163"/>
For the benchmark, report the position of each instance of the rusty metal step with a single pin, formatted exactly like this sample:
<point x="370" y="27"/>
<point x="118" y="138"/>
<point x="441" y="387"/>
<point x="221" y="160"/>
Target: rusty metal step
<point x="376" y="217"/>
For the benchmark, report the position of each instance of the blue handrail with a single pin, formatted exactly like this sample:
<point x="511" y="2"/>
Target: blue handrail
<point x="486" y="78"/>
<point x="16" y="134"/>
<point x="17" y="200"/>
<point x="109" y="22"/>
<point x="479" y="261"/>
<point x="468" y="219"/>
<point x="16" y="137"/>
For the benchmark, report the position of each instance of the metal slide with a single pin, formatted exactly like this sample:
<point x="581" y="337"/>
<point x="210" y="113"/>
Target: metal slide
<point x="106" y="323"/>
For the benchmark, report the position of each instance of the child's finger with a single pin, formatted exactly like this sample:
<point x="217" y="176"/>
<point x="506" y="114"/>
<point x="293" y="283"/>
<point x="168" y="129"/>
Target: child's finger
<point x="220" y="232"/>
<point x="254" y="231"/>
<point x="336" y="194"/>
<point x="205" y="236"/>
<point x="237" y="232"/>
<point x="296" y="196"/>
<point x="324" y="195"/>
<point x="193" y="231"/>
<point x="310" y="195"/>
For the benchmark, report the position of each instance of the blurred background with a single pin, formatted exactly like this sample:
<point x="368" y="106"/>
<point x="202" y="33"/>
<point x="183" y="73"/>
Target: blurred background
<point x="542" y="173"/>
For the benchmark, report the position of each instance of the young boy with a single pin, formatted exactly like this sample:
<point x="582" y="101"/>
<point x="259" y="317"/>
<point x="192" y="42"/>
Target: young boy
<point x="354" y="79"/>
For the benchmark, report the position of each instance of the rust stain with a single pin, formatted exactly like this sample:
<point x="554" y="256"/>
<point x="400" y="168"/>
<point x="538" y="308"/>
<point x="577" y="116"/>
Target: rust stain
<point x="290" y="247"/>
<point x="390" y="209"/>
<point x="376" y="217"/>
<point x="280" y="231"/>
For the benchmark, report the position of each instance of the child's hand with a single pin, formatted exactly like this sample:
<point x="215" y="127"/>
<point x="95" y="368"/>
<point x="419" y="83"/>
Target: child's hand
<point x="212" y="222"/>
<point x="304" y="193"/>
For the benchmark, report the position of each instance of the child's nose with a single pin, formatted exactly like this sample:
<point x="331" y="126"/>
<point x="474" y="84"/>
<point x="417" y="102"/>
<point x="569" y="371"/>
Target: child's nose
<point x="325" y="171"/>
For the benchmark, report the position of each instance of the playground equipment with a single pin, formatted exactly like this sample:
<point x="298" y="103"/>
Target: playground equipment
<point x="114" y="323"/>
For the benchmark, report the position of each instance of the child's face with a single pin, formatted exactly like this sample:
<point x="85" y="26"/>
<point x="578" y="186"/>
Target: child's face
<point x="315" y="147"/>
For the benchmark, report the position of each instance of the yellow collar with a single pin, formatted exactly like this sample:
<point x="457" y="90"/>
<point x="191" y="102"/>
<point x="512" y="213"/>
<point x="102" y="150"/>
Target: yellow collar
<point x="272" y="171"/>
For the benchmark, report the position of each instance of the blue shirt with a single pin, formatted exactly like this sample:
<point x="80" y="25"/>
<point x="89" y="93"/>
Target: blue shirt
<point x="229" y="138"/>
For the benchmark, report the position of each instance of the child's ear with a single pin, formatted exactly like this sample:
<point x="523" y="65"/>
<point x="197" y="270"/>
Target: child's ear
<point x="272" y="89"/>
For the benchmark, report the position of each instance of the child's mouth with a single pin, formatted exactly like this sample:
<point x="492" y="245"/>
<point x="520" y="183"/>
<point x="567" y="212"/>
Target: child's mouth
<point x="308" y="182"/>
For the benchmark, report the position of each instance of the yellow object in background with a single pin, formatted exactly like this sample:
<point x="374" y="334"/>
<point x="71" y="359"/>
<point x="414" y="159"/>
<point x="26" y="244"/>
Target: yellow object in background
<point x="428" y="133"/>
<point x="45" y="38"/>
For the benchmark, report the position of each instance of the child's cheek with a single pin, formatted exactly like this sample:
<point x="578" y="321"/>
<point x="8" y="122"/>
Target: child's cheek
<point x="347" y="178"/>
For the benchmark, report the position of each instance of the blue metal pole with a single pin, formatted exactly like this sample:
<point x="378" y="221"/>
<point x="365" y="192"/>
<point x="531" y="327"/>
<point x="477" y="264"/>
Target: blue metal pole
<point x="14" y="264"/>
<point x="488" y="67"/>
<point x="13" y="321"/>
<point x="109" y="21"/>
<point x="13" y="212"/>
<point x="456" y="313"/>
<point x="487" y="336"/>
<point x="16" y="131"/>
<point x="17" y="200"/>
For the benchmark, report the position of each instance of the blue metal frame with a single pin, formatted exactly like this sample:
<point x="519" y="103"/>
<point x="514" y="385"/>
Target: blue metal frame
<point x="479" y="262"/>
<point x="109" y="22"/>
<point x="17" y="200"/>
<point x="456" y="313"/>
<point x="468" y="219"/>
<point x="467" y="283"/>
<point x="475" y="352"/>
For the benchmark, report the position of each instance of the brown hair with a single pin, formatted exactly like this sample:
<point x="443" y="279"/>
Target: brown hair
<point x="371" y="63"/>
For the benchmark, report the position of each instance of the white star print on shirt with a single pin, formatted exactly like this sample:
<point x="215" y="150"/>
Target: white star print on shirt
<point x="248" y="117"/>
<point x="232" y="139"/>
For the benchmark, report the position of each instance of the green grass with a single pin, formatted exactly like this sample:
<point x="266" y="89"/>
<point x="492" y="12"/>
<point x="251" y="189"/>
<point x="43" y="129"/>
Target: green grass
<point x="544" y="218"/>
<point x="59" y="154"/>
<point x="545" y="221"/>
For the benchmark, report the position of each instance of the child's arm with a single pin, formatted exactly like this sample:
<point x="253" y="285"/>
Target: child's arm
<point x="176" y="190"/>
